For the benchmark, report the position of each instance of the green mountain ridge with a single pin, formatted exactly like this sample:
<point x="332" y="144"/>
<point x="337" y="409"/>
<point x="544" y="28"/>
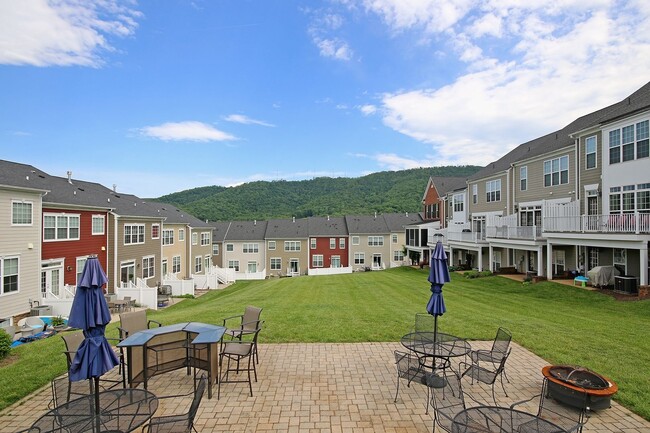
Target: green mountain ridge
<point x="382" y="192"/>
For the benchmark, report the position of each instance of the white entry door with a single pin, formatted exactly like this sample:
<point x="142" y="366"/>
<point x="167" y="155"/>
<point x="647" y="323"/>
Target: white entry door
<point x="52" y="278"/>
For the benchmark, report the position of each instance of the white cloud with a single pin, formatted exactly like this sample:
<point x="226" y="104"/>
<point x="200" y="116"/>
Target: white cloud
<point x="323" y="30"/>
<point x="368" y="109"/>
<point x="245" y="120"/>
<point x="185" y="131"/>
<point x="560" y="61"/>
<point x="62" y="33"/>
<point x="334" y="48"/>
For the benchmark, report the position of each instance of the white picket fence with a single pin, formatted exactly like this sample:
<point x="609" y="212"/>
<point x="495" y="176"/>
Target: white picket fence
<point x="329" y="271"/>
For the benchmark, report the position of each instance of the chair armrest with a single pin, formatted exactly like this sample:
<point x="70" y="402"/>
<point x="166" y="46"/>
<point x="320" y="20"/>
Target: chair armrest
<point x="153" y="321"/>
<point x="123" y="333"/>
<point x="240" y="317"/>
<point x="517" y="403"/>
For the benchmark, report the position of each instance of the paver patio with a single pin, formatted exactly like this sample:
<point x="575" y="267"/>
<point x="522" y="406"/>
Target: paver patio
<point x="331" y="387"/>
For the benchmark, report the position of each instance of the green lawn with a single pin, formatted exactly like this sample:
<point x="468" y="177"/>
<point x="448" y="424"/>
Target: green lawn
<point x="559" y="323"/>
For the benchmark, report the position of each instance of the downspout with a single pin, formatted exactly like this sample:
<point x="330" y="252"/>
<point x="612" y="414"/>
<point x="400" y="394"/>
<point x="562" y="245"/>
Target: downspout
<point x="115" y="235"/>
<point x="190" y="260"/>
<point x="507" y="190"/>
<point x="577" y="154"/>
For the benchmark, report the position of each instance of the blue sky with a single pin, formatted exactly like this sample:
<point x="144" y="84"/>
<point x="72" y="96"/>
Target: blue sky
<point x="158" y="97"/>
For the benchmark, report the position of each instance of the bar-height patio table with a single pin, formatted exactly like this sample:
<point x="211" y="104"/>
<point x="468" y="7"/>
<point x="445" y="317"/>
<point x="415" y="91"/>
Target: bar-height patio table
<point x="159" y="350"/>
<point x="436" y="345"/>
<point x="121" y="410"/>
<point x="495" y="419"/>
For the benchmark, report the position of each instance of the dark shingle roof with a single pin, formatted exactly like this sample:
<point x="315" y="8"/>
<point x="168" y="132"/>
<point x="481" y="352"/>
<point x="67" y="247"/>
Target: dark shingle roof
<point x="219" y="230"/>
<point x="287" y="228"/>
<point x="327" y="226"/>
<point x="174" y="215"/>
<point x="397" y="221"/>
<point x="246" y="231"/>
<point x="445" y="185"/>
<point x="366" y="224"/>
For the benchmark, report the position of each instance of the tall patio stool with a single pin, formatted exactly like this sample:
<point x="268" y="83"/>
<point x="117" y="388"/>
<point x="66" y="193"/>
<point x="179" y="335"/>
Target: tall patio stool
<point x="581" y="280"/>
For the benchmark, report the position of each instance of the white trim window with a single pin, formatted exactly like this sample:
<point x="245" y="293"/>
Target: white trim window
<point x="630" y="198"/>
<point x="176" y="264"/>
<point x="9" y="271"/>
<point x="292" y="245"/>
<point x="80" y="263"/>
<point x="205" y="238"/>
<point x="356" y="240"/>
<point x="215" y="249"/>
<point x="271" y="245"/>
<point x="251" y="248"/>
<point x="332" y="243"/>
<point x="458" y="202"/>
<point x="375" y="241"/>
<point x="230" y="248"/>
<point x="474" y="194"/>
<point x="523" y="178"/>
<point x="195" y="238"/>
<point x="148" y="267"/>
<point x="206" y="262"/>
<point x="590" y="152"/>
<point x="493" y="190"/>
<point x="168" y="237"/>
<point x="21" y="213"/>
<point x="556" y="171"/>
<point x="394" y="238"/>
<point x="317" y="261"/>
<point x="312" y="243"/>
<point x="60" y="227"/>
<point x="198" y="264"/>
<point x="133" y="234"/>
<point x="181" y="235"/>
<point x="342" y="243"/>
<point x="629" y="143"/>
<point x="398" y="256"/>
<point x="276" y="264"/>
<point x="233" y="264"/>
<point x="155" y="231"/>
<point x="98" y="224"/>
<point x="359" y="258"/>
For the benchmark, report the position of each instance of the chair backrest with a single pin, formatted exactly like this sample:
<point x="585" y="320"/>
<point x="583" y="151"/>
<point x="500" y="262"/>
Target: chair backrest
<point x="568" y="417"/>
<point x="501" y="341"/>
<point x="250" y="317"/>
<point x="424" y="322"/>
<point x="133" y="322"/>
<point x="447" y="401"/>
<point x="408" y="365"/>
<point x="72" y="341"/>
<point x="63" y="390"/>
<point x="196" y="401"/>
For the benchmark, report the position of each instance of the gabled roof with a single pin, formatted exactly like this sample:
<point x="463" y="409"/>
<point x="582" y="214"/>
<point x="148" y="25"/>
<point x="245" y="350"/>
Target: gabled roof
<point x="397" y="221"/>
<point x="246" y="231"/>
<point x="174" y="215"/>
<point x="219" y="230"/>
<point x="638" y="101"/>
<point x="17" y="175"/>
<point x="445" y="185"/>
<point x="287" y="228"/>
<point x="327" y="226"/>
<point x="366" y="224"/>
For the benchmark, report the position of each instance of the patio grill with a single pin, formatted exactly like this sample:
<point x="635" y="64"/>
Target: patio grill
<point x="566" y="384"/>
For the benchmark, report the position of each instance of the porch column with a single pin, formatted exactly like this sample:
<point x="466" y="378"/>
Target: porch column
<point x="549" y="261"/>
<point x="480" y="259"/>
<point x="540" y="261"/>
<point x="491" y="258"/>
<point x="451" y="256"/>
<point x="643" y="259"/>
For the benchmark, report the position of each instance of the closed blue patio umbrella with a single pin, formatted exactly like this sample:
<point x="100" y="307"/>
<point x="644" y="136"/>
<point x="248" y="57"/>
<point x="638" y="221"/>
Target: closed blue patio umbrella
<point x="90" y="313"/>
<point x="438" y="276"/>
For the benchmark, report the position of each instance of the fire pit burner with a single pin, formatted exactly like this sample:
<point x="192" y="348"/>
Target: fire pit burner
<point x="568" y="384"/>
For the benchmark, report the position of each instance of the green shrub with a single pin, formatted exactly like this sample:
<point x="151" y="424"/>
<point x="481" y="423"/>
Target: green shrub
<point x="471" y="274"/>
<point x="485" y="274"/>
<point x="5" y="344"/>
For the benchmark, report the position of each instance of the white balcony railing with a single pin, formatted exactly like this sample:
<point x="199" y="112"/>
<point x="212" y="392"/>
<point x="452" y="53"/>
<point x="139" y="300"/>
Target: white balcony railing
<point x="613" y="223"/>
<point x="466" y="236"/>
<point x="531" y="233"/>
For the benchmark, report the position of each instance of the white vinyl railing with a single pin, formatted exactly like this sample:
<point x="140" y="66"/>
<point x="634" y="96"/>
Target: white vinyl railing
<point x="532" y="233"/>
<point x="631" y="223"/>
<point x="469" y="237"/>
<point x="329" y="271"/>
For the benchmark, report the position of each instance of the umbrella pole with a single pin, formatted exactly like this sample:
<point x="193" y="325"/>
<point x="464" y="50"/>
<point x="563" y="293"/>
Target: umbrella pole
<point x="97" y="420"/>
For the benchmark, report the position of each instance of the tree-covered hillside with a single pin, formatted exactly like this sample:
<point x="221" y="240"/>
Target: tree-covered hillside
<point x="387" y="191"/>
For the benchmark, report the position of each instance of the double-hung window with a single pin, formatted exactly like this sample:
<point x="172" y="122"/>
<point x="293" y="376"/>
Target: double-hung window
<point x="133" y="234"/>
<point x="198" y="264"/>
<point x="98" y="224"/>
<point x="342" y="243"/>
<point x="629" y="142"/>
<point x="332" y="243"/>
<point x="475" y="193"/>
<point x="375" y="241"/>
<point x="493" y="190"/>
<point x="276" y="263"/>
<point x="523" y="178"/>
<point x="556" y="171"/>
<point x="60" y="227"/>
<point x="148" y="267"/>
<point x="155" y="231"/>
<point x="176" y="264"/>
<point x="590" y="152"/>
<point x="168" y="237"/>
<point x="359" y="258"/>
<point x="205" y="238"/>
<point x="9" y="273"/>
<point x="292" y="245"/>
<point x="459" y="202"/>
<point x="251" y="248"/>
<point x="21" y="213"/>
<point x="317" y="261"/>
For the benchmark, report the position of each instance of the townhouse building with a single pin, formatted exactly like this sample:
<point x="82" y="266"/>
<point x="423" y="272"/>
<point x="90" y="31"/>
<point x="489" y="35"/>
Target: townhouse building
<point x="328" y="245"/>
<point x="244" y="249"/>
<point x="287" y="247"/>
<point x="219" y="231"/>
<point x="399" y="225"/>
<point x="564" y="202"/>
<point x="369" y="242"/>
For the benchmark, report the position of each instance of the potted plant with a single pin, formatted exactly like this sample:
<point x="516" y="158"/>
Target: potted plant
<point x="58" y="322"/>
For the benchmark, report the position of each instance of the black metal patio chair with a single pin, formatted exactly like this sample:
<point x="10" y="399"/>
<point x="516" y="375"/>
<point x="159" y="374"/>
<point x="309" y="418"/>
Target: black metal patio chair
<point x="486" y="373"/>
<point x="410" y="369"/>
<point x="183" y="423"/>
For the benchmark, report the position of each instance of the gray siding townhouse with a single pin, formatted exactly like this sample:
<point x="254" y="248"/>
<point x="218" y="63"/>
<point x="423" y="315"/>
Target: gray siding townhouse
<point x="369" y="242"/>
<point x="244" y="249"/>
<point x="399" y="225"/>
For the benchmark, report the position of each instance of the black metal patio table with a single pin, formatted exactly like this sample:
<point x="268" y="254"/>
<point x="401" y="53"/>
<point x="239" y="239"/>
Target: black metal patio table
<point x="436" y="345"/>
<point x="495" y="419"/>
<point x="120" y="411"/>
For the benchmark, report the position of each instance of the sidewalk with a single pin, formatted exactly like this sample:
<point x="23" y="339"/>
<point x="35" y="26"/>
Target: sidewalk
<point x="332" y="387"/>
